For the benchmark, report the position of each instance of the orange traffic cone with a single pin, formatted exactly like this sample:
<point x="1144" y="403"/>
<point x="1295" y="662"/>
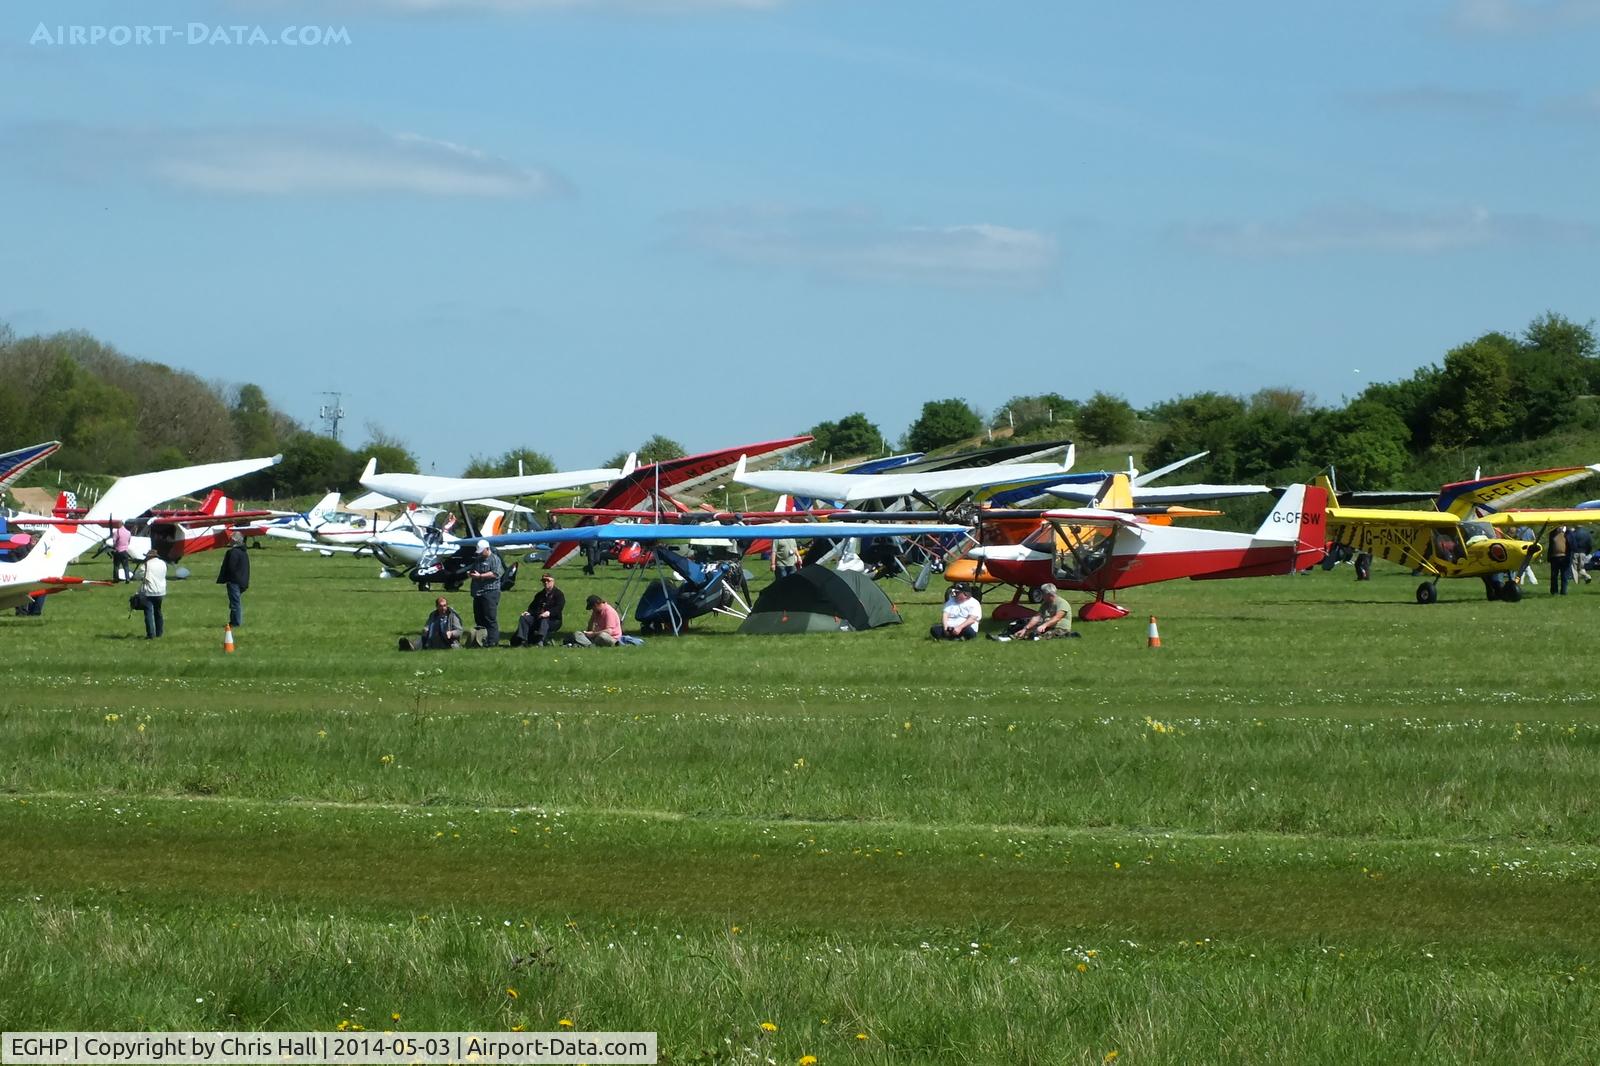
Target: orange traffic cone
<point x="1155" y="634"/>
<point x="227" y="639"/>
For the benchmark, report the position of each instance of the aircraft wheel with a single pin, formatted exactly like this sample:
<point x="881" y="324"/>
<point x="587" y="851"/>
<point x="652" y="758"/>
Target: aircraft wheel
<point x="1511" y="592"/>
<point x="1426" y="593"/>
<point x="423" y="586"/>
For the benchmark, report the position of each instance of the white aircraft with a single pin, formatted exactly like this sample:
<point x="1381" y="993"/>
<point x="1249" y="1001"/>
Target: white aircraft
<point x="893" y="485"/>
<point x="43" y="570"/>
<point x="1146" y="495"/>
<point x="427" y="489"/>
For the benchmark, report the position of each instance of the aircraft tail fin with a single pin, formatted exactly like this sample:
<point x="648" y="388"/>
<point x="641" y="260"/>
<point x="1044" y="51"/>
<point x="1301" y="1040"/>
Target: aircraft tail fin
<point x="1070" y="458"/>
<point x="1301" y="518"/>
<point x="739" y="468"/>
<point x="216" y="503"/>
<point x="372" y="468"/>
<point x="327" y="505"/>
<point x="631" y="465"/>
<point x="1325" y="483"/>
<point x="1115" y="493"/>
<point x="65" y="505"/>
<point x="494" y="524"/>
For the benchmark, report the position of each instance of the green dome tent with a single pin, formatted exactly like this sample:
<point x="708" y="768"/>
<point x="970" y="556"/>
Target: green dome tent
<point x="819" y="600"/>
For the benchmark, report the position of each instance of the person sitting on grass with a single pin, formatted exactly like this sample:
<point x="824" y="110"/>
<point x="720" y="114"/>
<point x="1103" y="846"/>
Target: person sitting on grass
<point x="960" y="618"/>
<point x="1050" y="621"/>
<point x="604" y="629"/>
<point x="542" y="620"/>
<point x="443" y="629"/>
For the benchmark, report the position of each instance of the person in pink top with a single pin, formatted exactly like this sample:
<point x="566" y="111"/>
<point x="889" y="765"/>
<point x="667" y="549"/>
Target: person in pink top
<point x="121" y="541"/>
<point x="605" y="627"/>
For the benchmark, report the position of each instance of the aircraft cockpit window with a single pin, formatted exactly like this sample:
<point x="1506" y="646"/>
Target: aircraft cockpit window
<point x="1081" y="550"/>
<point x="1475" y="531"/>
<point x="1446" y="547"/>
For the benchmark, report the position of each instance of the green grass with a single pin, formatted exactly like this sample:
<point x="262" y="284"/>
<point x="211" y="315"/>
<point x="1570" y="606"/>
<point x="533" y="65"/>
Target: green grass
<point x="1321" y="824"/>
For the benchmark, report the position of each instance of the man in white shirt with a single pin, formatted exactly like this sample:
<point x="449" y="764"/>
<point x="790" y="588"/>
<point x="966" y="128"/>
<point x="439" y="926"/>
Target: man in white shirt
<point x="960" y="618"/>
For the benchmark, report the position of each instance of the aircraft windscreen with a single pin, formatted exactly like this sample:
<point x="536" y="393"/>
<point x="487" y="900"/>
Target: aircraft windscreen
<point x="1471" y="531"/>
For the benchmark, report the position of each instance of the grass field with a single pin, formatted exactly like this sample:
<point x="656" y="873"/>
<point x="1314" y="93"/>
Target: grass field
<point x="1321" y="824"/>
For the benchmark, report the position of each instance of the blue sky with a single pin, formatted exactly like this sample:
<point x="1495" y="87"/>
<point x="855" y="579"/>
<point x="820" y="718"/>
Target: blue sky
<point x="570" y="224"/>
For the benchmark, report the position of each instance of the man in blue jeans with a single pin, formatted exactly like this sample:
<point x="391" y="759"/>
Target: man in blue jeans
<point x="235" y="574"/>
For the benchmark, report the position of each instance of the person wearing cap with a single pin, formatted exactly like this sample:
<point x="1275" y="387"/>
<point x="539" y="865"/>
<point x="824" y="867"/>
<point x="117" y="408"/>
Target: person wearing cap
<point x="962" y="613"/>
<point x="485" y="574"/>
<point x="542" y="620"/>
<point x="235" y="574"/>
<point x="1050" y="621"/>
<point x="442" y="630"/>
<point x="605" y="626"/>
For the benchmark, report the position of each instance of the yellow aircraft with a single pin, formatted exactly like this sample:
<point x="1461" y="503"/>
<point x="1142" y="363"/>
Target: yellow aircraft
<point x="1464" y="537"/>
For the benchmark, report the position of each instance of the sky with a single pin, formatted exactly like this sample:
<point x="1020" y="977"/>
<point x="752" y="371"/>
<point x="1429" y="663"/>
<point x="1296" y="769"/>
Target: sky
<point x="571" y="224"/>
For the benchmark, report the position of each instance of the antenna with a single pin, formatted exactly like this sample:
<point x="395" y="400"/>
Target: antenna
<point x="331" y="414"/>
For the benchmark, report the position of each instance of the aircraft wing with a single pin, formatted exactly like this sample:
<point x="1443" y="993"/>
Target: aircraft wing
<point x="372" y="501"/>
<point x="1502" y="490"/>
<point x="854" y="488"/>
<point x="16" y="463"/>
<point x="133" y="496"/>
<point x="1162" y="495"/>
<point x="654" y="531"/>
<point x="1391" y="518"/>
<point x="1536" y="517"/>
<point x="428" y="489"/>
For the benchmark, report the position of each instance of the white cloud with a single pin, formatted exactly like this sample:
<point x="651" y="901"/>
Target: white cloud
<point x="1522" y="16"/>
<point x="1362" y="228"/>
<point x="858" y="246"/>
<point x="280" y="160"/>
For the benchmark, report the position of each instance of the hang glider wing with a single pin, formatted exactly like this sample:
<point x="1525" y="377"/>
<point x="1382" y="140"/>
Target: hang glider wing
<point x="427" y="489"/>
<point x="854" y="488"/>
<point x="16" y="463"/>
<point x="1503" y="490"/>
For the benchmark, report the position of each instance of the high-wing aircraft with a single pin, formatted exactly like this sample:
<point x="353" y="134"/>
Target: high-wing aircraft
<point x="43" y="570"/>
<point x="1466" y="536"/>
<point x="1142" y="493"/>
<point x="1098" y="550"/>
<point x="897" y="485"/>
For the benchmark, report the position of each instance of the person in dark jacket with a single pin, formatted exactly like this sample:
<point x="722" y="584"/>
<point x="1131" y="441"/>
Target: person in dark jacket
<point x="235" y="574"/>
<point x="542" y="620"/>
<point x="1560" y="571"/>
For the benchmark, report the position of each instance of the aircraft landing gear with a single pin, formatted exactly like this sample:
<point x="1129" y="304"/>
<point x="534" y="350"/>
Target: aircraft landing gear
<point x="1427" y="593"/>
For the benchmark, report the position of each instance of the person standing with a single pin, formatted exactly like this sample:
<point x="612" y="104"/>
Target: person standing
<point x="235" y="574"/>
<point x="542" y="620"/>
<point x="152" y="590"/>
<point x="1580" y="545"/>
<point x="485" y="577"/>
<point x="1559" y="569"/>
<point x="785" y="557"/>
<point x="121" y="541"/>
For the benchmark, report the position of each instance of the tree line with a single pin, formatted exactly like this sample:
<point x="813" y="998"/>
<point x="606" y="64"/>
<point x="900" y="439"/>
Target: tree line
<point x="115" y="414"/>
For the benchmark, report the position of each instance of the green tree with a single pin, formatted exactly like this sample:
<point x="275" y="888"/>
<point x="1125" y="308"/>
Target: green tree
<point x="851" y="436"/>
<point x="392" y="454"/>
<point x="654" y="450"/>
<point x="254" y="430"/>
<point x="506" y="464"/>
<point x="1106" y="419"/>
<point x="1203" y="422"/>
<point x="313" y="463"/>
<point x="943" y="422"/>
<point x="1366" y="443"/>
<point x="1475" y="399"/>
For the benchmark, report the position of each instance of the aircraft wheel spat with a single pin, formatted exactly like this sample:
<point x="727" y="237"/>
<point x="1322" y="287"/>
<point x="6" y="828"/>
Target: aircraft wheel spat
<point x="1155" y="634"/>
<point x="227" y="639"/>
